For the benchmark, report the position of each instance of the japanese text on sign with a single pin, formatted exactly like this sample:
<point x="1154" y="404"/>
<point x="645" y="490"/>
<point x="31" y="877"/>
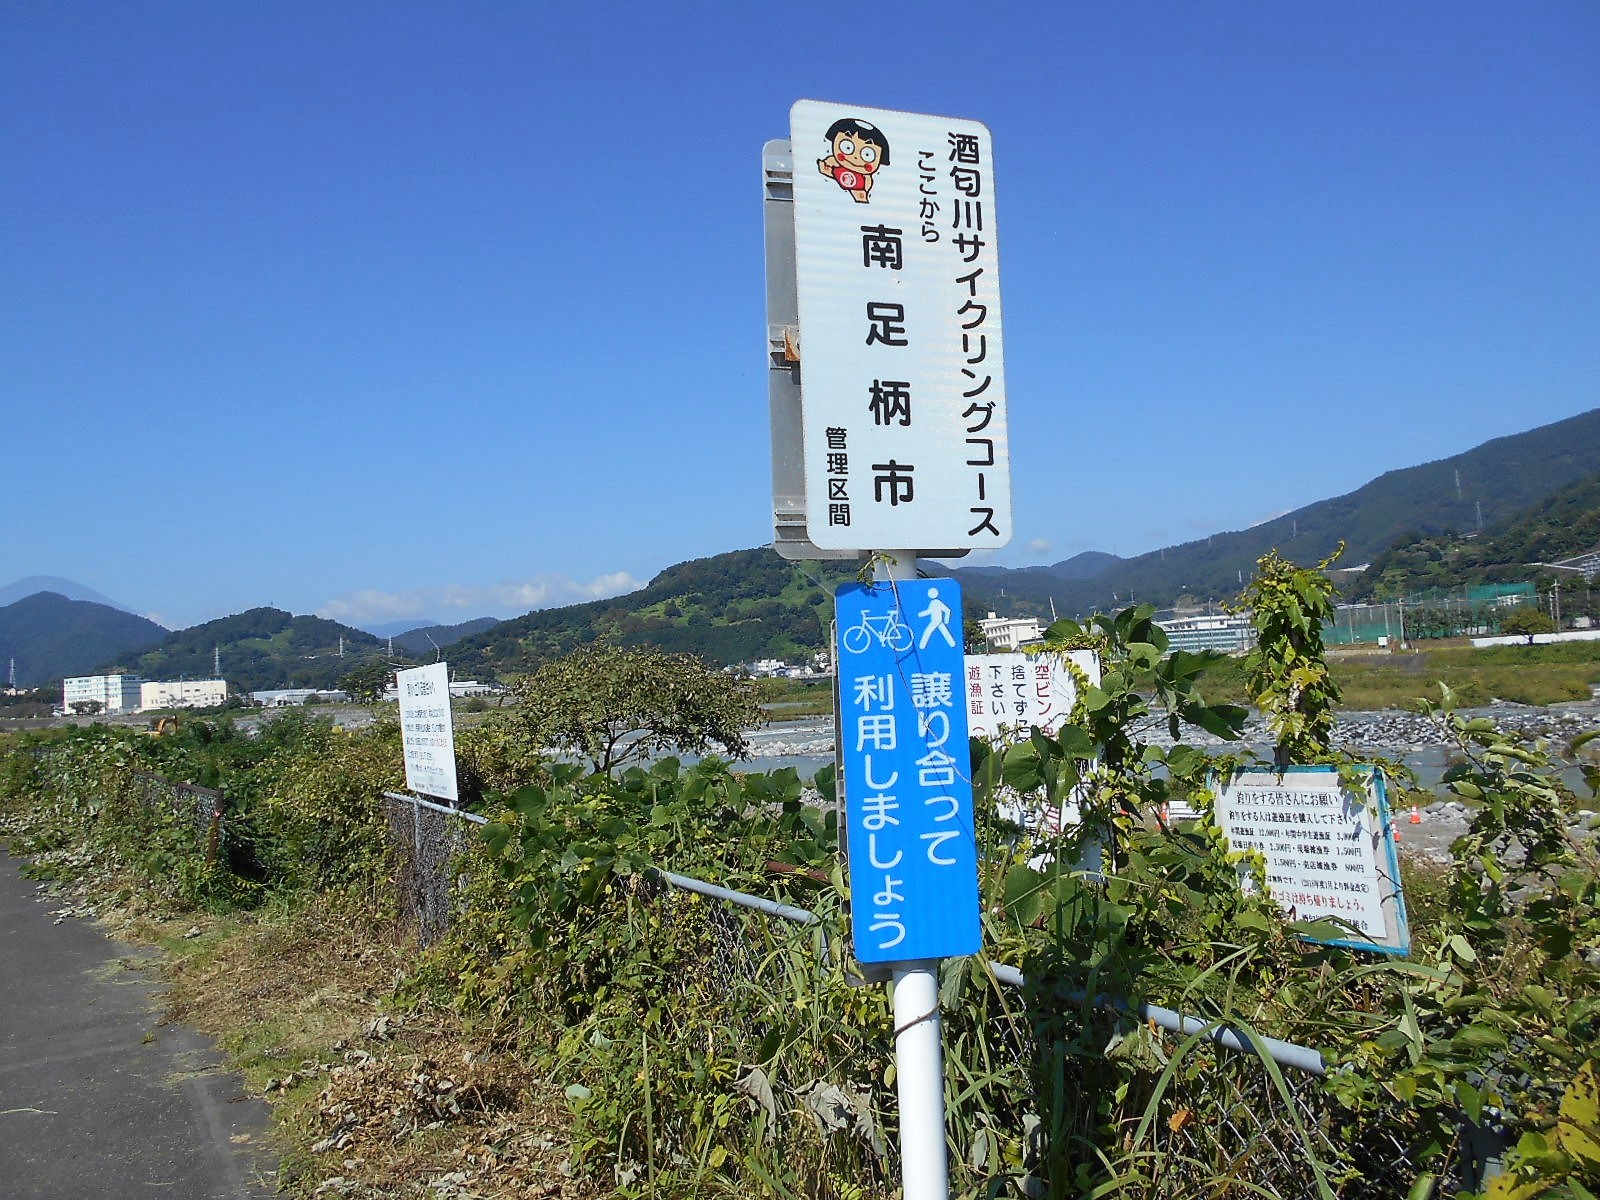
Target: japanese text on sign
<point x="1013" y="693"/>
<point x="908" y="795"/>
<point x="903" y="389"/>
<point x="425" y="729"/>
<point x="1325" y="847"/>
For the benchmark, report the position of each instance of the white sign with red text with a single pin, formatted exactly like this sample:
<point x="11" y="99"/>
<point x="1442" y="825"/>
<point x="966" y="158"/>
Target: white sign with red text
<point x="1009" y="694"/>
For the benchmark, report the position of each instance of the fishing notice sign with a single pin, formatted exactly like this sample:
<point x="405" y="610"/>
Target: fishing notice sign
<point x="1328" y="848"/>
<point x="425" y="729"/>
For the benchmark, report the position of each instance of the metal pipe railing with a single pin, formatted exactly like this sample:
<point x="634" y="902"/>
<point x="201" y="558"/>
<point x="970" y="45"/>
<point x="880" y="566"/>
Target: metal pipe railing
<point x="1287" y="1054"/>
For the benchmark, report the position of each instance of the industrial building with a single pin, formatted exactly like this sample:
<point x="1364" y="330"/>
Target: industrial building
<point x="1230" y="633"/>
<point x="288" y="697"/>
<point x="1008" y="633"/>
<point x="184" y="693"/>
<point x="113" y="693"/>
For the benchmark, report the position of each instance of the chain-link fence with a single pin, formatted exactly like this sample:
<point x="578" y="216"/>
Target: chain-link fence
<point x="202" y="809"/>
<point x="1226" y="1116"/>
<point x="427" y="840"/>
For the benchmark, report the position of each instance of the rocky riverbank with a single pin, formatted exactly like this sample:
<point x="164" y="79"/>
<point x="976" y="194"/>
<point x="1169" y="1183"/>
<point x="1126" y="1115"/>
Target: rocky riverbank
<point x="1395" y="734"/>
<point x="1419" y="741"/>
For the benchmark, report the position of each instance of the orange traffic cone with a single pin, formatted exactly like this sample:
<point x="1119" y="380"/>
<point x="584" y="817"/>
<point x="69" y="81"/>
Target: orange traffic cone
<point x="1416" y="817"/>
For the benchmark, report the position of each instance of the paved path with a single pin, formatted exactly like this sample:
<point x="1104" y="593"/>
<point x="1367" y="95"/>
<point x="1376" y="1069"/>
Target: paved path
<point x="96" y="1098"/>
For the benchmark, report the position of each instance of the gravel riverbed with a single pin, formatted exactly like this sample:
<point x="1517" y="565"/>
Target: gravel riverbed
<point x="1417" y="740"/>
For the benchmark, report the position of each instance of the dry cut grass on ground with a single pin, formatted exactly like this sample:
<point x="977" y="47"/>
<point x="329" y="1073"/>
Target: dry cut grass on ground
<point x="373" y="1096"/>
<point x="371" y="1099"/>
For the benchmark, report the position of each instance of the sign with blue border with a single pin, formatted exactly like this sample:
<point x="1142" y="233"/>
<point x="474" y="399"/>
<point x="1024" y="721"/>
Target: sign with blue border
<point x="908" y="792"/>
<point x="1328" y="849"/>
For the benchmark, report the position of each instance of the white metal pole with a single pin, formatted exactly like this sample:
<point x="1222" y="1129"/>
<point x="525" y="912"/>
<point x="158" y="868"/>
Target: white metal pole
<point x="918" y="1031"/>
<point x="919" y="1081"/>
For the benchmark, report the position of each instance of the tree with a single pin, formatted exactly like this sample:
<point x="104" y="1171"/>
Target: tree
<point x="1287" y="675"/>
<point x="1526" y="622"/>
<point x="366" y="681"/>
<point x="87" y="708"/>
<point x="614" y="704"/>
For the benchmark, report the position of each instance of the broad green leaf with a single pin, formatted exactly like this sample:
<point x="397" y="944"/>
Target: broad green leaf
<point x="1479" y="1037"/>
<point x="1023" y="769"/>
<point x="1185" y="760"/>
<point x="1471" y="1101"/>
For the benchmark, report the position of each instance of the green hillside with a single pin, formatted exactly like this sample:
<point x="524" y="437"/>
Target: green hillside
<point x="1563" y="525"/>
<point x="1503" y="478"/>
<point x="261" y="648"/>
<point x="50" y="637"/>
<point x="736" y="607"/>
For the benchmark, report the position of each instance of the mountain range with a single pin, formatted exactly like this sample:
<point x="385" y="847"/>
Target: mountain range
<point x="1530" y="497"/>
<point x="1486" y="485"/>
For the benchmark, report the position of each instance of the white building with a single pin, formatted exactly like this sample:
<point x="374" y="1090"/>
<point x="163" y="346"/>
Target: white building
<point x="113" y="693"/>
<point x="288" y="697"/>
<point x="1008" y="633"/>
<point x="186" y="693"/>
<point x="1230" y="633"/>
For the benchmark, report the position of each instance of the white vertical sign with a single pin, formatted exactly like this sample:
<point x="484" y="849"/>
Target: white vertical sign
<point x="426" y="730"/>
<point x="1013" y="693"/>
<point x="901" y="375"/>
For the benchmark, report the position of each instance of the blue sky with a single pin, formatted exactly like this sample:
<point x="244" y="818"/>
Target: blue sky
<point x="392" y="310"/>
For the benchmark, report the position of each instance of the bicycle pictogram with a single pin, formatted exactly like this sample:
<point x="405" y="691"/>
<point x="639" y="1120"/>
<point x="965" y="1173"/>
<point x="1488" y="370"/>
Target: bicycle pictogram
<point x="887" y="627"/>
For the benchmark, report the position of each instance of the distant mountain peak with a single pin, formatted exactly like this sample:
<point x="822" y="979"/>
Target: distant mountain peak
<point x="61" y="586"/>
<point x="1087" y="565"/>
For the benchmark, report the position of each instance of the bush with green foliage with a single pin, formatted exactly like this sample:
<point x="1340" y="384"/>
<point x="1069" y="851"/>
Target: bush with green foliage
<point x="613" y="705"/>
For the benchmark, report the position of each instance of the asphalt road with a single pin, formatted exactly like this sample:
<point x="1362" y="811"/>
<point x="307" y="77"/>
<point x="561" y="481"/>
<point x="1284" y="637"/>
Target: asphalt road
<point x="97" y="1097"/>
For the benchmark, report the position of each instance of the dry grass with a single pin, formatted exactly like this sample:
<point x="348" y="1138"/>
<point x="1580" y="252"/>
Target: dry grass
<point x="370" y="1098"/>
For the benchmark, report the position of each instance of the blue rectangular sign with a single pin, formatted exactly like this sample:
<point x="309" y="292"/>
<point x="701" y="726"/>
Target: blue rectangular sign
<point x="913" y="853"/>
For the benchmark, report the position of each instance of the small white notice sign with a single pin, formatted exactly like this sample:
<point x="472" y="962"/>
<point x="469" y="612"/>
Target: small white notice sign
<point x="1328" y="848"/>
<point x="425" y="727"/>
<point x="1009" y="694"/>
